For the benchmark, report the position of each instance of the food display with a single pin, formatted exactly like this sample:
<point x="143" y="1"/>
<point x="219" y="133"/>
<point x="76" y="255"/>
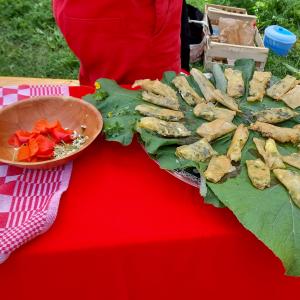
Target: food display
<point x="198" y="151"/>
<point x="214" y="129"/>
<point x="238" y="142"/>
<point x="158" y="93"/>
<point x="245" y="151"/>
<point x="275" y="115"/>
<point x="160" y="113"/>
<point x="207" y="88"/>
<point x="259" y="173"/>
<point x="235" y="87"/>
<point x="279" y="89"/>
<point x="292" y="97"/>
<point x="258" y="84"/>
<point x="186" y="91"/>
<point x="164" y="128"/>
<point x="271" y="155"/>
<point x="210" y="112"/>
<point x="292" y="160"/>
<point x="226" y="100"/>
<point x="218" y="167"/>
<point x="280" y="134"/>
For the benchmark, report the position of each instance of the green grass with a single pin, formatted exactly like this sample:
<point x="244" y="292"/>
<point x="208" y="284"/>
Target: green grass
<point x="31" y="44"/>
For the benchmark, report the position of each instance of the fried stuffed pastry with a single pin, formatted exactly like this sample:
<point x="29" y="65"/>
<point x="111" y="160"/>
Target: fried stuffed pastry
<point x="275" y="115"/>
<point x="280" y="134"/>
<point x="210" y="112"/>
<point x="259" y="173"/>
<point x="225" y="100"/>
<point x="238" y="142"/>
<point x="198" y="152"/>
<point x="292" y="159"/>
<point x="258" y="85"/>
<point x="215" y="129"/>
<point x="292" y="98"/>
<point x="158" y="93"/>
<point x="186" y="91"/>
<point x="273" y="157"/>
<point x="235" y="87"/>
<point x="161" y="127"/>
<point x="268" y="150"/>
<point x="217" y="168"/>
<point x="160" y="113"/>
<point x="160" y="100"/>
<point x="206" y="87"/>
<point x="260" y="146"/>
<point x="277" y="90"/>
<point x="297" y="127"/>
<point x="291" y="180"/>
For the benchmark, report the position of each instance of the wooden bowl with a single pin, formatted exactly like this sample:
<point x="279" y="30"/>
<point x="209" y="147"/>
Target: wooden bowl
<point x="71" y="112"/>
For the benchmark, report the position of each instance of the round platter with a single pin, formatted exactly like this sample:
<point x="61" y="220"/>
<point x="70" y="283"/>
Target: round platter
<point x="190" y="178"/>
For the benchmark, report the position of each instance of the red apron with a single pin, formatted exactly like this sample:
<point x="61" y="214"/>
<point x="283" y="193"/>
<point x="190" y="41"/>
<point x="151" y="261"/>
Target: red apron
<point x="123" y="40"/>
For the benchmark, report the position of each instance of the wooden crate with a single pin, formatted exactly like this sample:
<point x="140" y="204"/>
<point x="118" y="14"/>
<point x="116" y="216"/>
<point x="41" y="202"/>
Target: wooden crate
<point x="229" y="9"/>
<point x="227" y="53"/>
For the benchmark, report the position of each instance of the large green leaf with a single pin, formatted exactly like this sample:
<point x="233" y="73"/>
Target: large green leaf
<point x="269" y="214"/>
<point x="117" y="109"/>
<point x="212" y="199"/>
<point x="220" y="80"/>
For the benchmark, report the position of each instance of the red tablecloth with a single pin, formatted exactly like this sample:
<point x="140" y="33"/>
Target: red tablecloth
<point x="128" y="230"/>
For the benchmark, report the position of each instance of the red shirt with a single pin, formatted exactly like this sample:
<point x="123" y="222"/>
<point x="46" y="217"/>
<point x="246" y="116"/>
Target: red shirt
<point x="123" y="40"/>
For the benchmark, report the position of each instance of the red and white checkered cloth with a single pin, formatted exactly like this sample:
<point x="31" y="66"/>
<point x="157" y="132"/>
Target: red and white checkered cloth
<point x="29" y="199"/>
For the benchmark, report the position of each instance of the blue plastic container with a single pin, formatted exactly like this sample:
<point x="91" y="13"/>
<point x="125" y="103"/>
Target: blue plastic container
<point x="279" y="39"/>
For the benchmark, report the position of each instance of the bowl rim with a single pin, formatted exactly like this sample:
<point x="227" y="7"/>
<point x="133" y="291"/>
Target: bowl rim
<point x="44" y="163"/>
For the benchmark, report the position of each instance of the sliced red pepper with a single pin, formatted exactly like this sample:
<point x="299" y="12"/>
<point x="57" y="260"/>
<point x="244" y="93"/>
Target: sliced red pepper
<point x="43" y="126"/>
<point x="14" y="141"/>
<point x="60" y="134"/>
<point x="45" y="145"/>
<point x="33" y="147"/>
<point x="24" y="136"/>
<point x="24" y="153"/>
<point x="40" y="143"/>
<point x="20" y="137"/>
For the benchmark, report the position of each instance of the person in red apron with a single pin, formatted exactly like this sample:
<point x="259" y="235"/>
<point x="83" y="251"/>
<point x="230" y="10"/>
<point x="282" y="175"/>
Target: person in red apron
<point x="122" y="40"/>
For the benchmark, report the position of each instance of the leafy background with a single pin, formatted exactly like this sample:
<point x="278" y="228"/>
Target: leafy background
<point x="281" y="12"/>
<point x="31" y="44"/>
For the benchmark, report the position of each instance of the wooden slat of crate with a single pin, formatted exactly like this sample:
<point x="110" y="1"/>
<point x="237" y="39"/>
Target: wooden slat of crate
<point x="258" y="40"/>
<point x="235" y="51"/>
<point x="227" y="8"/>
<point x="215" y="15"/>
<point x="220" y="51"/>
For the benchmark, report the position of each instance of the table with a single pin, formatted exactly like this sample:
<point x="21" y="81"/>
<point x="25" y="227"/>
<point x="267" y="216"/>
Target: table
<point x="8" y="80"/>
<point x="128" y="230"/>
